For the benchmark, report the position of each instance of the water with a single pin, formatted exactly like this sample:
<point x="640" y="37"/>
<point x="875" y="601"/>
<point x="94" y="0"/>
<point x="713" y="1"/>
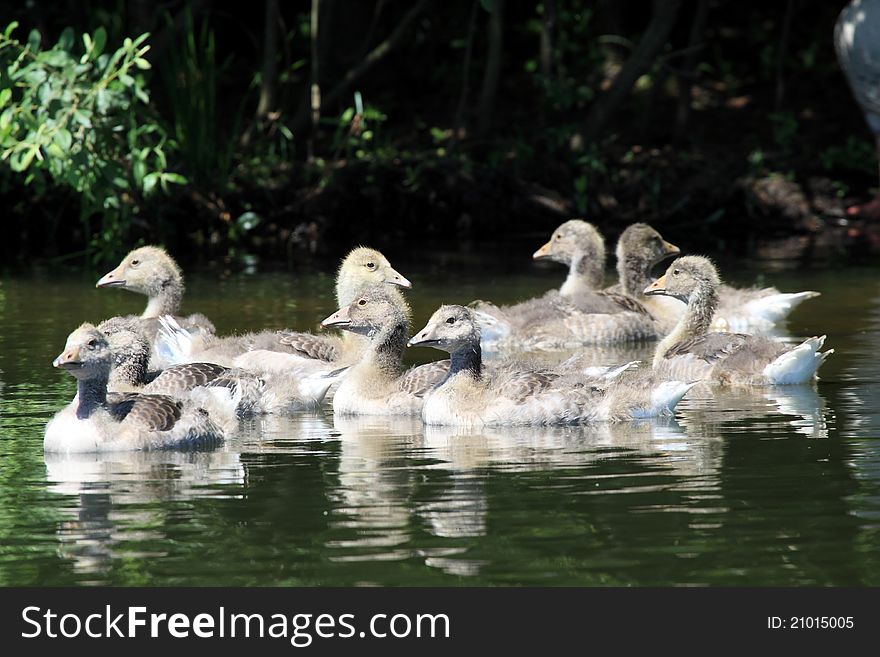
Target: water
<point x="762" y="487"/>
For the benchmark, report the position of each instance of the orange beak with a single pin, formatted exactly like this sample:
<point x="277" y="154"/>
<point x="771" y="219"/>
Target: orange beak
<point x="394" y="278"/>
<point x="670" y="249"/>
<point x="68" y="359"/>
<point x="657" y="287"/>
<point x="340" y="318"/>
<point x="113" y="278"/>
<point x="543" y="252"/>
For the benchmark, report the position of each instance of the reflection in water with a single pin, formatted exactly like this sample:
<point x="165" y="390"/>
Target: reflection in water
<point x="860" y="412"/>
<point x="715" y="412"/>
<point x="375" y="485"/>
<point x="116" y="499"/>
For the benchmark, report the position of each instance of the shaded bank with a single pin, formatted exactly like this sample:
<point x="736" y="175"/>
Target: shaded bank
<point x="727" y="128"/>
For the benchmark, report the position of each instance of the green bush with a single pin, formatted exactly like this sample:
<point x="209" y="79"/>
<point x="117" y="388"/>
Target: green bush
<point x="79" y="117"/>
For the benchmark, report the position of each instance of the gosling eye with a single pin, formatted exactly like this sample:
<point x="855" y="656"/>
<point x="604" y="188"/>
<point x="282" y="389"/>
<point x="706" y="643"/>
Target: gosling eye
<point x="362" y="302"/>
<point x="676" y="272"/>
<point x="450" y="320"/>
<point x="558" y="237"/>
<point x="135" y="262"/>
<point x="92" y="343"/>
<point x="371" y="265"/>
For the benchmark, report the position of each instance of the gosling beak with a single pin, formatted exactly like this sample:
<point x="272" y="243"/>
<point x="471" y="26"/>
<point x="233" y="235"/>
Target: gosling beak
<point x="339" y="319"/>
<point x="113" y="278"/>
<point x="68" y="360"/>
<point x="657" y="287"/>
<point x="670" y="249"/>
<point x="394" y="278"/>
<point x="543" y="252"/>
<point x="424" y="338"/>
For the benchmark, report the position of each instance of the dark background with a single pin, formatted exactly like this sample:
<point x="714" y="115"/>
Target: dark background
<point x="488" y="122"/>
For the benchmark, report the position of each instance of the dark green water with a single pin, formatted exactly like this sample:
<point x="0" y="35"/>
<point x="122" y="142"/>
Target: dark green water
<point x="767" y="487"/>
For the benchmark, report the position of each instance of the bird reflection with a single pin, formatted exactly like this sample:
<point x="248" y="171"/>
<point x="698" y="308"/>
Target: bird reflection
<point x="713" y="412"/>
<point x="372" y="501"/>
<point x="114" y="499"/>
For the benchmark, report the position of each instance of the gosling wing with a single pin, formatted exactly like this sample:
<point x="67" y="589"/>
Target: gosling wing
<point x="150" y="412"/>
<point x="420" y="379"/>
<point x="310" y="346"/>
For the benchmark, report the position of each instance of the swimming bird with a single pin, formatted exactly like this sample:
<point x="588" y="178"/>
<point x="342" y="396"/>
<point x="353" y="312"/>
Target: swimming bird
<point x="243" y="391"/>
<point x="377" y="384"/>
<point x="151" y="271"/>
<point x="361" y="268"/>
<point x="98" y="421"/>
<point x="693" y="351"/>
<point x="640" y="248"/>
<point x="578" y="313"/>
<point x="468" y="396"/>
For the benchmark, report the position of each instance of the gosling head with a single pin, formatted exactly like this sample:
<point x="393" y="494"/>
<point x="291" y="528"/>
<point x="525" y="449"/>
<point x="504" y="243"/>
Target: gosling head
<point x="364" y="267"/>
<point x="377" y="308"/>
<point x="573" y="239"/>
<point x="120" y="323"/>
<point x="129" y="347"/>
<point x="684" y="277"/>
<point x="644" y="243"/>
<point x="86" y="354"/>
<point x="450" y="329"/>
<point x="148" y="270"/>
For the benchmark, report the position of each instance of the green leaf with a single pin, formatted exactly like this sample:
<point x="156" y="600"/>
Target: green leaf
<point x="54" y="151"/>
<point x="150" y="181"/>
<point x="65" y="41"/>
<point x="10" y="29"/>
<point x="175" y="178"/>
<point x="63" y="138"/>
<point x="22" y="159"/>
<point x="33" y="40"/>
<point x="139" y="170"/>
<point x="82" y="117"/>
<point x="57" y="58"/>
<point x="99" y="39"/>
<point x="6" y="117"/>
<point x="5" y="95"/>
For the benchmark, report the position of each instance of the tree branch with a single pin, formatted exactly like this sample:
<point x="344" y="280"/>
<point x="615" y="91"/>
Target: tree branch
<point x="663" y="17"/>
<point x="377" y="53"/>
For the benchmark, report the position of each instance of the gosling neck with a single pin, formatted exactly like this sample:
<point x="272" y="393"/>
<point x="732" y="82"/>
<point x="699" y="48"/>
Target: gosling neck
<point x="347" y="289"/>
<point x="166" y="301"/>
<point x="634" y="273"/>
<point x="467" y="361"/>
<point x="695" y="322"/>
<point x="386" y="350"/>
<point x="91" y="394"/>
<point x="585" y="274"/>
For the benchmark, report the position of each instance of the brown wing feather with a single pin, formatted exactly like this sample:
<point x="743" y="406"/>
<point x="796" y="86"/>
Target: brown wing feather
<point x="151" y="412"/>
<point x="311" y="346"/>
<point x="418" y="380"/>
<point x="184" y="377"/>
<point x="520" y="386"/>
<point x="625" y="302"/>
<point x="710" y="347"/>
